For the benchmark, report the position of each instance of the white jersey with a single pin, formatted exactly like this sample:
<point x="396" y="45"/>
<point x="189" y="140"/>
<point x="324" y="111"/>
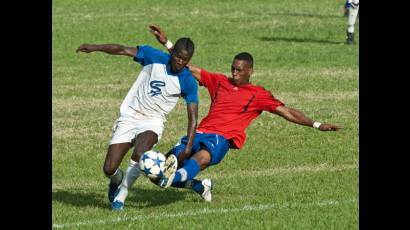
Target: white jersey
<point x="156" y="91"/>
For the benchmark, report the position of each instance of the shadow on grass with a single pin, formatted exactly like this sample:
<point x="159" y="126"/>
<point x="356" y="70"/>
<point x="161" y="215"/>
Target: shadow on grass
<point x="284" y="39"/>
<point x="155" y="197"/>
<point x="137" y="197"/>
<point x="304" y="15"/>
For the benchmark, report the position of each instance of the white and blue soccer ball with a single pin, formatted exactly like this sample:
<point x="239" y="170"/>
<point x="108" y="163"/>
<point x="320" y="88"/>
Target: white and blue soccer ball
<point x="152" y="164"/>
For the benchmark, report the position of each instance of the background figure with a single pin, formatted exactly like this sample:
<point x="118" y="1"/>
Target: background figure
<point x="352" y="9"/>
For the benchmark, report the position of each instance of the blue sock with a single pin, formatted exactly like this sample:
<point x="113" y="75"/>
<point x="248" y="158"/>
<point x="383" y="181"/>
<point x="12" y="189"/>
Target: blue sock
<point x="188" y="172"/>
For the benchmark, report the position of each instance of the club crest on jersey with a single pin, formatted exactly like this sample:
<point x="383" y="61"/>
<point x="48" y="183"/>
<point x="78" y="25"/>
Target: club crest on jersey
<point x="155" y="90"/>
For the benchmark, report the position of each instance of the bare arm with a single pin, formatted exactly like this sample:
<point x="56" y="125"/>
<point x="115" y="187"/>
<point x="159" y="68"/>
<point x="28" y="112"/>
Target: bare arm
<point x="196" y="71"/>
<point x="112" y="49"/>
<point x="192" y="110"/>
<point x="298" y="117"/>
<point x="159" y="34"/>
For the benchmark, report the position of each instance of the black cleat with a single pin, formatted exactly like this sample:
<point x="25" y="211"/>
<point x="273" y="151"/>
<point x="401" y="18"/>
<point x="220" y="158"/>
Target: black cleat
<point x="350" y="39"/>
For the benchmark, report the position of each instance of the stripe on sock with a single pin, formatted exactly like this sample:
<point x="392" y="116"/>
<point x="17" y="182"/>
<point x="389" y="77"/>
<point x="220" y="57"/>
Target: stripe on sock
<point x="183" y="173"/>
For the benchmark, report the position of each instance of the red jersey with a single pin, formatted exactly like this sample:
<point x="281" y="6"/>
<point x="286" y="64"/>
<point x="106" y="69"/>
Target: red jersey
<point x="233" y="107"/>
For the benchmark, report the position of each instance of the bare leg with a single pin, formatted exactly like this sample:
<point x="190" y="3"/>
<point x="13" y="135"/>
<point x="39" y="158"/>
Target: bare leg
<point x="143" y="142"/>
<point x="115" y="154"/>
<point x="198" y="162"/>
<point x="203" y="158"/>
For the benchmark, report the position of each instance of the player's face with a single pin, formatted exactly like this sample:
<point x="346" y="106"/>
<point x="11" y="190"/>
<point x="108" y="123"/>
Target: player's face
<point x="179" y="59"/>
<point x="241" y="72"/>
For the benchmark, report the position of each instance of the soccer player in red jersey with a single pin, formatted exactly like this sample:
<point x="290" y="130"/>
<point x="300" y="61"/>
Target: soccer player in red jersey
<point x="235" y="102"/>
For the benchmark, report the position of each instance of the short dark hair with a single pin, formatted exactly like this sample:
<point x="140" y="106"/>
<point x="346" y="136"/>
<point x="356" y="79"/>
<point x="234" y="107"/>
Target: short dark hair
<point x="246" y="57"/>
<point x="185" y="44"/>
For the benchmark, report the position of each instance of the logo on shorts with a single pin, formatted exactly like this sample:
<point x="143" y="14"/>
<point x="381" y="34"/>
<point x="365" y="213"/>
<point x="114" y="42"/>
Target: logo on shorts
<point x="155" y="90"/>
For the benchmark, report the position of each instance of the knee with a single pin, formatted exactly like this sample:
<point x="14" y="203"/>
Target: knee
<point x="203" y="164"/>
<point x="108" y="170"/>
<point x="203" y="159"/>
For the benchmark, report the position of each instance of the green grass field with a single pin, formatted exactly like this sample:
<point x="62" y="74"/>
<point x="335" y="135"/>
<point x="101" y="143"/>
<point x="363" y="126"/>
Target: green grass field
<point x="286" y="177"/>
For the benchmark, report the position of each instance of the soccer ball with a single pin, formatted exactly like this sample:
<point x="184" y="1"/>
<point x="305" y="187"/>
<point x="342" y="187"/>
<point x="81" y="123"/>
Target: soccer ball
<point x="152" y="164"/>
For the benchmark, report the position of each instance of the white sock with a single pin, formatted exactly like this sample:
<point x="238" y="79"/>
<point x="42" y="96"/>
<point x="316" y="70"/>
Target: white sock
<point x="131" y="175"/>
<point x="351" y="19"/>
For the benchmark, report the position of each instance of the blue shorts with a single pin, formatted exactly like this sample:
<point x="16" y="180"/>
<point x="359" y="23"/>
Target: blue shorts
<point x="216" y="144"/>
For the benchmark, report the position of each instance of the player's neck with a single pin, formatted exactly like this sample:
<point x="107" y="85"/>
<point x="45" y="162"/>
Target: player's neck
<point x="239" y="84"/>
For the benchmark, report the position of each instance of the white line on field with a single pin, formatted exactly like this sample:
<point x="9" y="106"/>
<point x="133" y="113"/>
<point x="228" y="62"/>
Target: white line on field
<point x="206" y="211"/>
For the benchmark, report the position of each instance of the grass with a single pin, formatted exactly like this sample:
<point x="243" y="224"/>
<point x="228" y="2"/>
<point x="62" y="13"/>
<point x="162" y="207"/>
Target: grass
<point x="286" y="176"/>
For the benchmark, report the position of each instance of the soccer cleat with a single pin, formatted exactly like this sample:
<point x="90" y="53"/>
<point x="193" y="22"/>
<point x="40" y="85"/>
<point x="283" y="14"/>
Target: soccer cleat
<point x="208" y="186"/>
<point x="350" y="39"/>
<point x="117" y="206"/>
<point x="170" y="167"/>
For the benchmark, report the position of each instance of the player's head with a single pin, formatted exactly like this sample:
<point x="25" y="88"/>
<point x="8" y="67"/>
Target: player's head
<point x="242" y="68"/>
<point x="181" y="54"/>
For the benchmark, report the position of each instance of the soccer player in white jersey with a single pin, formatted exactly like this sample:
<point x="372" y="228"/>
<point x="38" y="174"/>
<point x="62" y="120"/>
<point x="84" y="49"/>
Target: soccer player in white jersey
<point x="163" y="79"/>
<point x="352" y="9"/>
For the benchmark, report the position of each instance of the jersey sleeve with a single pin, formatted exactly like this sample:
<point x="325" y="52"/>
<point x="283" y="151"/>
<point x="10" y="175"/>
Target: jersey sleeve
<point x="189" y="89"/>
<point x="267" y="102"/>
<point x="211" y="81"/>
<point x="148" y="55"/>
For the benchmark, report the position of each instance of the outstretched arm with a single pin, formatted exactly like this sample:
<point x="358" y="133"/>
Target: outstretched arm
<point x="192" y="109"/>
<point x="112" y="49"/>
<point x="298" y="117"/>
<point x="161" y="36"/>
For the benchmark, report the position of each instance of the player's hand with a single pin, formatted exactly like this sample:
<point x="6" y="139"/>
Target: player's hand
<point x="85" y="48"/>
<point x="329" y="127"/>
<point x="158" y="33"/>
